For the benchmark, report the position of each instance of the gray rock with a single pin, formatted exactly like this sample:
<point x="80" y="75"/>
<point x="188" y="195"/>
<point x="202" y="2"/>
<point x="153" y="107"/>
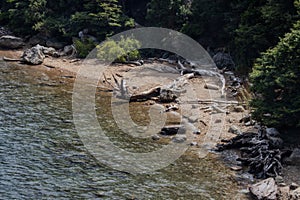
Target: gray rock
<point x="239" y="109"/>
<point x="245" y="119"/>
<point x="264" y="190"/>
<point x="218" y="121"/>
<point x="179" y="139"/>
<point x="193" y="119"/>
<point x="50" y="51"/>
<point x="197" y="132"/>
<point x="294" y="186"/>
<point x="34" y="55"/>
<point x="68" y="50"/>
<point x="250" y="123"/>
<point x="173" y="130"/>
<point x="194" y="144"/>
<point x="235" y="130"/>
<point x="11" y="42"/>
<point x="279" y="179"/>
<point x="155" y="137"/>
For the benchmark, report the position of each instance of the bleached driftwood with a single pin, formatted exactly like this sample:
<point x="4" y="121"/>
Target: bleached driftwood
<point x="211" y="86"/>
<point x="210" y="101"/>
<point x="11" y="59"/>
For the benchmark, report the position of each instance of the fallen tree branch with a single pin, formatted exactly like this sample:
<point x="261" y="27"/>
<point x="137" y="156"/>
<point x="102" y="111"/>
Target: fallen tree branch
<point x="146" y="95"/>
<point x="210" y="101"/>
<point x="11" y="59"/>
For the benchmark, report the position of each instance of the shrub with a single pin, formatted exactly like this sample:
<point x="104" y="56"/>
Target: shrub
<point x="84" y="47"/>
<point x="119" y="51"/>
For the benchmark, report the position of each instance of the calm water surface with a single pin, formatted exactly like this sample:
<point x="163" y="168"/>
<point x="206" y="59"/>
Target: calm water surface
<point x="42" y="157"/>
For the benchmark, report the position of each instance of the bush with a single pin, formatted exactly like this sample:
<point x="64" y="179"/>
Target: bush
<point x="119" y="51"/>
<point x="276" y="79"/>
<point x="84" y="47"/>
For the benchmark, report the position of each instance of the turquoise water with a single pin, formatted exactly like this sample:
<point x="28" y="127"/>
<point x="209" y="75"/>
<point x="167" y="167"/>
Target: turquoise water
<point x="42" y="157"/>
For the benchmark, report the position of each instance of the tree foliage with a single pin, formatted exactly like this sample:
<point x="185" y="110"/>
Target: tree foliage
<point x="168" y="13"/>
<point x="64" y="17"/>
<point x="261" y="25"/>
<point x="276" y="79"/>
<point x="125" y="49"/>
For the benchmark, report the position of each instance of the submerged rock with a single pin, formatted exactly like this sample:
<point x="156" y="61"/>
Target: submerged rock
<point x="11" y="42"/>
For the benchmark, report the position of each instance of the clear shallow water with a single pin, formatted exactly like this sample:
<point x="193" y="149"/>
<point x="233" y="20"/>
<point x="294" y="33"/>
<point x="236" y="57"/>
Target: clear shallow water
<point x="42" y="157"/>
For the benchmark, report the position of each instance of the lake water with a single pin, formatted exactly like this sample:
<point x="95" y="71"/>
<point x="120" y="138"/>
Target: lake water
<point x="42" y="157"/>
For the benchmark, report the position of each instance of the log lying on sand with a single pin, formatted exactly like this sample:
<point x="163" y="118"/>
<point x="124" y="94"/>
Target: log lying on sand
<point x="211" y="86"/>
<point x="11" y="59"/>
<point x="166" y="94"/>
<point x="146" y="95"/>
<point x="211" y="101"/>
<point x="261" y="152"/>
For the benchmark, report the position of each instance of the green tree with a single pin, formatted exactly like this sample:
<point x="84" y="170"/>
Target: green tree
<point x="102" y="17"/>
<point x="168" y="13"/>
<point x="261" y="25"/>
<point x="207" y="22"/>
<point x="19" y="15"/>
<point x="276" y="80"/>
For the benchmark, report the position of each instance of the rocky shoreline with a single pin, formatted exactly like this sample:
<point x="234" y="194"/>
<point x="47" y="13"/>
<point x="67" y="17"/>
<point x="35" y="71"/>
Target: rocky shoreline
<point x="235" y="115"/>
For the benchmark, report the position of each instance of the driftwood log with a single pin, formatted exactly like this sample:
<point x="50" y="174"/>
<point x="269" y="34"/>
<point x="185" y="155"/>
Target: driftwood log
<point x="261" y="152"/>
<point x="11" y="59"/>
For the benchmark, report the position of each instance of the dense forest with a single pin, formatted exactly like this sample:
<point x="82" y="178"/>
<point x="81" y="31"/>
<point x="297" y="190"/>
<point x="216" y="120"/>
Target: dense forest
<point x="262" y="36"/>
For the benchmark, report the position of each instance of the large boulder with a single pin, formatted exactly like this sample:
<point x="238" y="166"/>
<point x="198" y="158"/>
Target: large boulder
<point x="265" y="190"/>
<point x="11" y="42"/>
<point x="68" y="50"/>
<point x="224" y="60"/>
<point x="34" y="55"/>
